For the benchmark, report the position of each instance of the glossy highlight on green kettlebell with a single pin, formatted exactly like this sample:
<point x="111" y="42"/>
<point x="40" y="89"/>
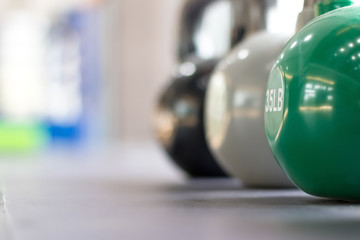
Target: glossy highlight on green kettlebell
<point x="312" y="111"/>
<point x="330" y="5"/>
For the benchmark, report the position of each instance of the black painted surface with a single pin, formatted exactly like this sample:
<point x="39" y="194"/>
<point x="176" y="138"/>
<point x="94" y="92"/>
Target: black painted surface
<point x="184" y="99"/>
<point x="194" y="12"/>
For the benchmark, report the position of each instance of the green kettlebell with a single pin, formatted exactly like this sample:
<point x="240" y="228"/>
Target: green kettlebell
<point x="312" y="108"/>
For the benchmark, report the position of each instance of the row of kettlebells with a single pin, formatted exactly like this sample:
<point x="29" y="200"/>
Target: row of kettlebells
<point x="219" y="115"/>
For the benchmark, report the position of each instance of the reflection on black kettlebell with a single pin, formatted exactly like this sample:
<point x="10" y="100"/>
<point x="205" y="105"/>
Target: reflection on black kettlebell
<point x="180" y="125"/>
<point x="209" y="28"/>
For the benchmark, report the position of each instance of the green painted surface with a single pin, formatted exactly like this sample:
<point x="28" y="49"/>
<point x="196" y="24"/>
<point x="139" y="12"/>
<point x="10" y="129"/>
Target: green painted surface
<point x="317" y="138"/>
<point x="330" y="5"/>
<point x="21" y="138"/>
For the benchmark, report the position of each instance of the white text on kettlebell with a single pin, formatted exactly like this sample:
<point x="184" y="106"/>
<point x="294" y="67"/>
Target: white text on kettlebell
<point x="274" y="100"/>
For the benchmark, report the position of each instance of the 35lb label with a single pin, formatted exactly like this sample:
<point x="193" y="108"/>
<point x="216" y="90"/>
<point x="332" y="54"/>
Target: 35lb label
<point x="274" y="100"/>
<point x="274" y="103"/>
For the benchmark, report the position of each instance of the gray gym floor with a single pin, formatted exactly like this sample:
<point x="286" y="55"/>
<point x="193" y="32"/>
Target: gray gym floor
<point x="130" y="191"/>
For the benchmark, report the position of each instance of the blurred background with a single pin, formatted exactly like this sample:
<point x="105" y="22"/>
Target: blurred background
<point x="82" y="72"/>
<point x="85" y="75"/>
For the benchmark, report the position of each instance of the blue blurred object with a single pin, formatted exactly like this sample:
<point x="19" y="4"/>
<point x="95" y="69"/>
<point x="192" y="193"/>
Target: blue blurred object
<point x="74" y="78"/>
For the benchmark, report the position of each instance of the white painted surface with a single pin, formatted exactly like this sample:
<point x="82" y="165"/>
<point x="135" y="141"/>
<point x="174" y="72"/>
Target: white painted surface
<point x="235" y="130"/>
<point x="139" y="59"/>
